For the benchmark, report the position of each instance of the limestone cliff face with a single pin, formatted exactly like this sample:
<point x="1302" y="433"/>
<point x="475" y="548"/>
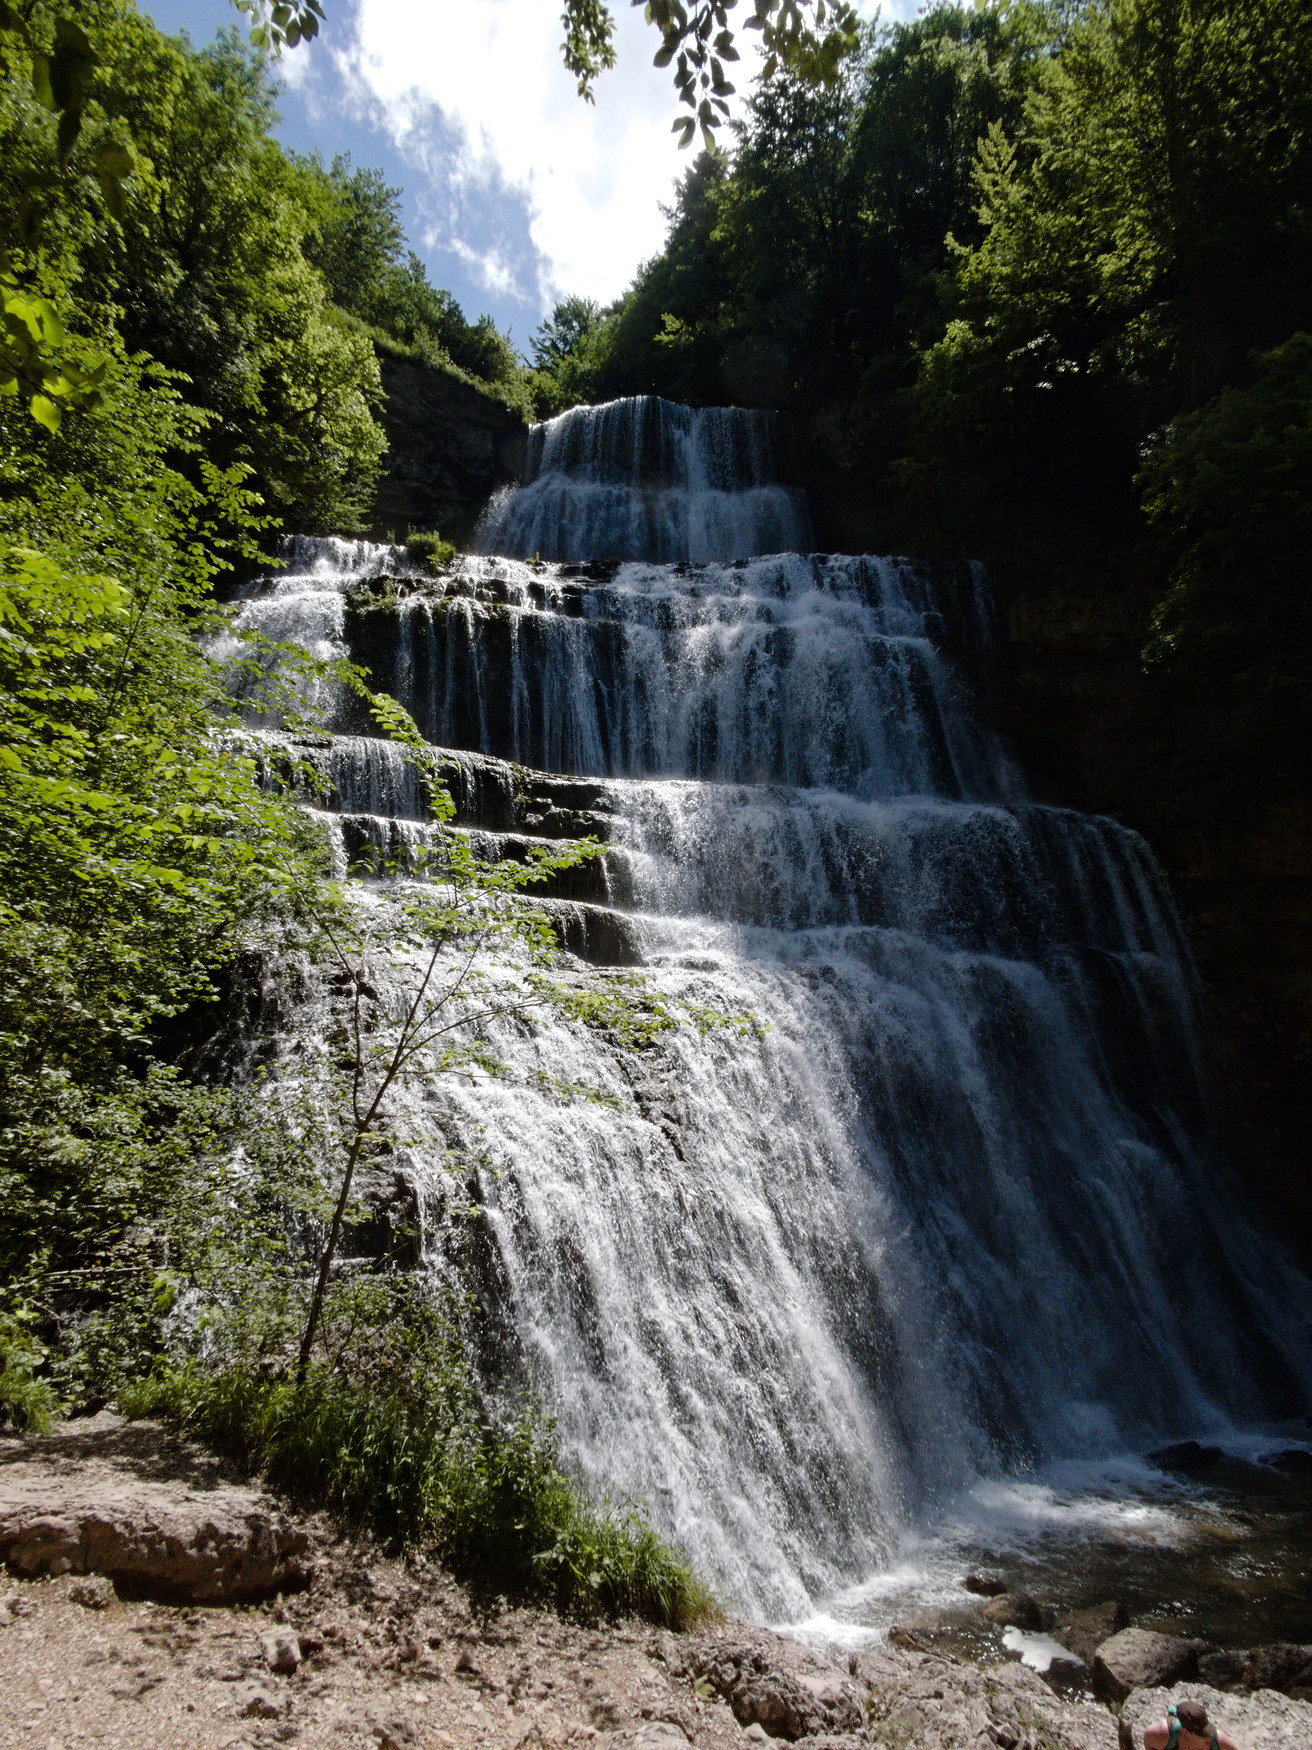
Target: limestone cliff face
<point x="449" y="448"/>
<point x="1069" y="692"/>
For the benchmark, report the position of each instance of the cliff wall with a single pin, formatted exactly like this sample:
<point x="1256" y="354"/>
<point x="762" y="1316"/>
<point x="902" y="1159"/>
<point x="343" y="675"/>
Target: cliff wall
<point x="1070" y="689"/>
<point x="450" y="446"/>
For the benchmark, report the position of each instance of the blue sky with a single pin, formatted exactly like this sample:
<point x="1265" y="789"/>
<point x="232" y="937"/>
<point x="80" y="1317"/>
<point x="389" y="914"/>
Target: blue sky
<point x="515" y="191"/>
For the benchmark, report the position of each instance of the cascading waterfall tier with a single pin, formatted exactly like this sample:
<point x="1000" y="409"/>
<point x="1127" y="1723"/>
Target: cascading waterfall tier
<point x="646" y="479"/>
<point x="952" y="1205"/>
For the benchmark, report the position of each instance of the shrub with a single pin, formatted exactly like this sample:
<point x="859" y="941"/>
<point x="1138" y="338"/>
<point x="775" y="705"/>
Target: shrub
<point x="426" y="549"/>
<point x="391" y="1432"/>
<point x="27" y="1403"/>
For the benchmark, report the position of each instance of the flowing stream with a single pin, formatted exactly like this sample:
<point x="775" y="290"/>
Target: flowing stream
<point x="952" y="1217"/>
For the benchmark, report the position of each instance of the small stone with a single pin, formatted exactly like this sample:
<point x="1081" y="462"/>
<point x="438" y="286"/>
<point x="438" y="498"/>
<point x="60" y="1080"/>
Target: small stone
<point x="396" y="1733"/>
<point x="258" y="1703"/>
<point x="281" y="1650"/>
<point x="659" y="1735"/>
<point x="985" y="1585"/>
<point x="1013" y="1610"/>
<point x="92" y="1592"/>
<point x="756" y="1733"/>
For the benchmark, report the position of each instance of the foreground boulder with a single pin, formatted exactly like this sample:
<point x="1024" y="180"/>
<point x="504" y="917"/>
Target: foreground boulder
<point x="1261" y="1720"/>
<point x="220" y="1546"/>
<point x="794" y="1703"/>
<point x="1139" y="1658"/>
<point x="918" y="1701"/>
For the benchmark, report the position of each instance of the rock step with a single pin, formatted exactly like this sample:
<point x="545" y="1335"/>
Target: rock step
<point x="220" y="1546"/>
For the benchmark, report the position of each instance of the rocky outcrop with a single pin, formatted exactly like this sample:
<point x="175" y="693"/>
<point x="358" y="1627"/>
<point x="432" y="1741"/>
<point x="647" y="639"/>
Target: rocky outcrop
<point x="1139" y="1658"/>
<point x="449" y="447"/>
<point x="1261" y="1720"/>
<point x="918" y="1701"/>
<point x="794" y="1704"/>
<point x="219" y="1547"/>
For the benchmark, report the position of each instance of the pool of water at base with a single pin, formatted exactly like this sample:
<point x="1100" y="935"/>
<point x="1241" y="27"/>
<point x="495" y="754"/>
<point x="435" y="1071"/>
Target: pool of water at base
<point x="1224" y="1556"/>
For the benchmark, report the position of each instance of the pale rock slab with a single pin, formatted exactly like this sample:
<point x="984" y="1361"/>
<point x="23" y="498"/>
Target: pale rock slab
<point x="216" y="1546"/>
<point x="1262" y="1719"/>
<point x="919" y="1701"/>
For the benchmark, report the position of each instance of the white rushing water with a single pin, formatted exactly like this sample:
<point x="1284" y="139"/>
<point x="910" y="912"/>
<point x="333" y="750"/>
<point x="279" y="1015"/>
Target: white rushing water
<point x="646" y="479"/>
<point x="955" y="1209"/>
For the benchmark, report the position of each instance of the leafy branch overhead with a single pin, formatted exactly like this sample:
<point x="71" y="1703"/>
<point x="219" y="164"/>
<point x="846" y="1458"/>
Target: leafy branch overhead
<point x="35" y="362"/>
<point x="810" y="38"/>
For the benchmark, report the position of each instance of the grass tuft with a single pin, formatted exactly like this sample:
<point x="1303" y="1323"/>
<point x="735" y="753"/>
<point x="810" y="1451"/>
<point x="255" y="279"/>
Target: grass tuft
<point x="404" y="1449"/>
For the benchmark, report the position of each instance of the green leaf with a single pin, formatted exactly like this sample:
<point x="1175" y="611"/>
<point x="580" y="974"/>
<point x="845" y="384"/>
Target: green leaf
<point x="46" y="413"/>
<point x="41" y="88"/>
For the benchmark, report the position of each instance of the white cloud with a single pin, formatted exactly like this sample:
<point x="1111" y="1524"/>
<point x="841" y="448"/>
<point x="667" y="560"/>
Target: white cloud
<point x="595" y="177"/>
<point x="476" y="100"/>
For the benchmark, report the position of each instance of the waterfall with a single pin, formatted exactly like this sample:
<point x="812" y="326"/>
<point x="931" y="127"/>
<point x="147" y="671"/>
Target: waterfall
<point x="952" y="1206"/>
<point x="645" y="479"/>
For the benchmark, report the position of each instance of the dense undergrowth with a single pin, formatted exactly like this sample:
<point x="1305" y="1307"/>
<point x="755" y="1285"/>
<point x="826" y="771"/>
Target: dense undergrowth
<point x="389" y="1431"/>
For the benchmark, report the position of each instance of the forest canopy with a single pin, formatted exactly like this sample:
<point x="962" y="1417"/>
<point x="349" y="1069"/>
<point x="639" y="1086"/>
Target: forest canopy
<point x="1038" y="279"/>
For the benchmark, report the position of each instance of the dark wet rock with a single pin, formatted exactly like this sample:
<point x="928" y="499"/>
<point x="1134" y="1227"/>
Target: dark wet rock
<point x="1282" y="1665"/>
<point x="1187" y="1457"/>
<point x="1296" y="1462"/>
<point x="1223" y="1669"/>
<point x="1013" y="1610"/>
<point x="1259" y="1720"/>
<point x="1140" y="1658"/>
<point x="1086" y="1630"/>
<point x="985" y="1585"/>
